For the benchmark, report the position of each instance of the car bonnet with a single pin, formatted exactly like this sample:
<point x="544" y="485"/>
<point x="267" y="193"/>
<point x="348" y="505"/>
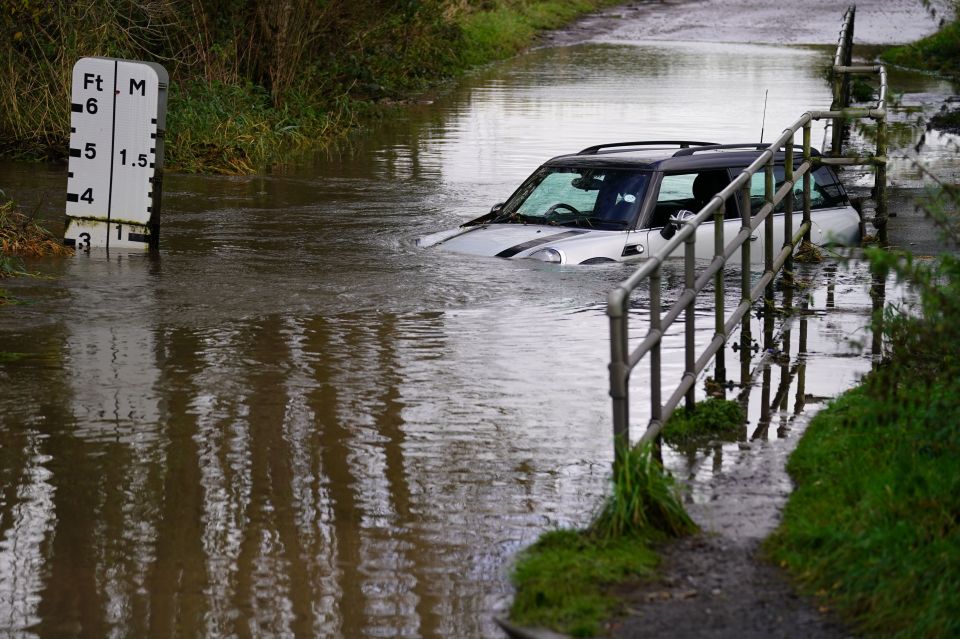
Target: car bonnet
<point x="509" y="240"/>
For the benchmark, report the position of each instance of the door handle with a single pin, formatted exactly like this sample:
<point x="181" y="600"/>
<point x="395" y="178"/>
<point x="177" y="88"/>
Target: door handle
<point x="754" y="238"/>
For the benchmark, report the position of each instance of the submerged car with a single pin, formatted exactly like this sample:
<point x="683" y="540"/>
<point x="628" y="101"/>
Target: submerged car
<point x="623" y="201"/>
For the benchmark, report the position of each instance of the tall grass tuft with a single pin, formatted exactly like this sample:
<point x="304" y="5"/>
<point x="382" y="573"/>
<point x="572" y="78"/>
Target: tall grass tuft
<point x="645" y="500"/>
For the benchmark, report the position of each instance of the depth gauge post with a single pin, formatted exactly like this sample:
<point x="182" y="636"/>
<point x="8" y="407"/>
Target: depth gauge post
<point x="114" y="178"/>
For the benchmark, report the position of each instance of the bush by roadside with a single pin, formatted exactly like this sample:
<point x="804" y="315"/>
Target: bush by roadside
<point x="253" y="81"/>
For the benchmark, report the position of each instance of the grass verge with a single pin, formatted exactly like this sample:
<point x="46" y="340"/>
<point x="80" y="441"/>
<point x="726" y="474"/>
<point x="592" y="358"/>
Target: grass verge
<point x="505" y="27"/>
<point x="565" y="580"/>
<point x="939" y="53"/>
<point x="873" y="527"/>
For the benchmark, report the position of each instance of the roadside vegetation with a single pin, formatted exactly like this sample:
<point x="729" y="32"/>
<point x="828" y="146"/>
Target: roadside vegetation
<point x="22" y="236"/>
<point x="566" y="580"/>
<point x="252" y="81"/>
<point x="873" y="527"/>
<point x="938" y="53"/>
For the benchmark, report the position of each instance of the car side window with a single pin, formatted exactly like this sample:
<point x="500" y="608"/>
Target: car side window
<point x="825" y="191"/>
<point x="687" y="191"/>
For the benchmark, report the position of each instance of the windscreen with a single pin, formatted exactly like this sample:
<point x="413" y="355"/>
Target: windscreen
<point x="600" y="198"/>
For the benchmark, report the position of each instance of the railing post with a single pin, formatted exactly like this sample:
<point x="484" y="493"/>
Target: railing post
<point x="848" y="55"/>
<point x="745" y="285"/>
<point x="718" y="301"/>
<point x="880" y="179"/>
<point x="768" y="189"/>
<point x="656" y="405"/>
<point x="841" y="80"/>
<point x="807" y="157"/>
<point x="619" y="373"/>
<point x="690" y="318"/>
<point x="788" y="209"/>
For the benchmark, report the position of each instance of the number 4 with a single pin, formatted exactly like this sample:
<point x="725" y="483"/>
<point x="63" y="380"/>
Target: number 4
<point x="87" y="196"/>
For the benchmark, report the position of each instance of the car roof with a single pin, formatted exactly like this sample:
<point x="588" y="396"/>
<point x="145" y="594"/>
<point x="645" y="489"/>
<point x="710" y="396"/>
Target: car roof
<point x="667" y="155"/>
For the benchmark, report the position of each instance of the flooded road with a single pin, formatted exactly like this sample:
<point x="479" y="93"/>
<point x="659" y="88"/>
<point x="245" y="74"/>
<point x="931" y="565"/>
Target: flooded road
<point x="294" y="422"/>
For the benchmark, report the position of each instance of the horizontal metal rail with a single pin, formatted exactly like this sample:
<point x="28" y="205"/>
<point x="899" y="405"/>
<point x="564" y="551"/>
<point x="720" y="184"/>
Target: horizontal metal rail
<point x="623" y="360"/>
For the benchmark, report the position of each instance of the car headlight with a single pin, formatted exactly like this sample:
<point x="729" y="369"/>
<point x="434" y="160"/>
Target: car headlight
<point x="552" y="256"/>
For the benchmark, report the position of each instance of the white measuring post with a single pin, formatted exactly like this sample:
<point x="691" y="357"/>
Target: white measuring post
<point x="117" y="121"/>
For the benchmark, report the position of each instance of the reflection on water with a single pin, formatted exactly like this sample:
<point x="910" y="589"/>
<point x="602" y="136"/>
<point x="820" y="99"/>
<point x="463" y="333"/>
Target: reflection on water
<point x="296" y="422"/>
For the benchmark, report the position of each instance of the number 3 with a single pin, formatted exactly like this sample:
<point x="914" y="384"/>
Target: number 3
<point x="84" y="242"/>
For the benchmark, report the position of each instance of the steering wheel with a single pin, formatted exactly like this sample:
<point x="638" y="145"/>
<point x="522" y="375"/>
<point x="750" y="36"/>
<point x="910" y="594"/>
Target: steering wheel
<point x="553" y="210"/>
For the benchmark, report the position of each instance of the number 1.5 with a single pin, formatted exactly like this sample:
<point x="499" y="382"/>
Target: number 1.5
<point x="141" y="158"/>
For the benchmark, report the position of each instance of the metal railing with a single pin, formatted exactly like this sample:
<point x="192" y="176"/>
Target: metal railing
<point x="623" y="360"/>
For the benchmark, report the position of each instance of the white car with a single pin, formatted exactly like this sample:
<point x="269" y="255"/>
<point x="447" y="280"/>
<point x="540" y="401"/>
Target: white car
<point x="620" y="202"/>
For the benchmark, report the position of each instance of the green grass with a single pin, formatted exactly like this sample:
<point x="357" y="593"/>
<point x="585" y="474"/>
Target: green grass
<point x="236" y="129"/>
<point x="563" y="579"/>
<point x="710" y="419"/>
<point x="566" y="581"/>
<point x="873" y="527"/>
<point x="504" y="28"/>
<point x="939" y="52"/>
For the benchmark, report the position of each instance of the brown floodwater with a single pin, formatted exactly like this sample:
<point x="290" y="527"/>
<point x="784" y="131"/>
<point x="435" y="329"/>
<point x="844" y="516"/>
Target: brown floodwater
<point x="294" y="422"/>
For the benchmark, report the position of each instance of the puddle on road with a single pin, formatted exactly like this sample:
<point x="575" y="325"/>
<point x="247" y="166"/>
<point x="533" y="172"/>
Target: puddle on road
<point x="825" y="344"/>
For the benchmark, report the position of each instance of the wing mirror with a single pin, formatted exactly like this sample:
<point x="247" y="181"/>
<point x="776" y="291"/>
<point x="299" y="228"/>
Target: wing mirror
<point x="496" y="208"/>
<point x="676" y="221"/>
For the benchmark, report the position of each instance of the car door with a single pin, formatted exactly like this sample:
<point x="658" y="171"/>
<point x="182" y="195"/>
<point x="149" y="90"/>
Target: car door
<point x="686" y="193"/>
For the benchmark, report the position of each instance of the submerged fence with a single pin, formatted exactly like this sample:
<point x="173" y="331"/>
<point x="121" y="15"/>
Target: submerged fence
<point x="623" y="360"/>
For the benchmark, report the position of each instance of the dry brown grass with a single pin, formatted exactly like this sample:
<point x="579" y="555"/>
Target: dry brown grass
<point x="22" y="236"/>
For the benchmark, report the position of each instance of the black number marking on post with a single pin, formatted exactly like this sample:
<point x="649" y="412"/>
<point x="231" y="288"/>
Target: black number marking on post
<point x="142" y="159"/>
<point x="92" y="105"/>
<point x="90" y="150"/>
<point x="123" y="156"/>
<point x="87" y="196"/>
<point x="84" y="242"/>
<point x="119" y="231"/>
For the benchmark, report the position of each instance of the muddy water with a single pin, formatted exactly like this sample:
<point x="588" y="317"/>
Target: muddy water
<point x="295" y="422"/>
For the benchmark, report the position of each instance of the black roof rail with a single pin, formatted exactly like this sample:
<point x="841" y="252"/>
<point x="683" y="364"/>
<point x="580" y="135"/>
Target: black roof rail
<point x="683" y="144"/>
<point x="753" y="146"/>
